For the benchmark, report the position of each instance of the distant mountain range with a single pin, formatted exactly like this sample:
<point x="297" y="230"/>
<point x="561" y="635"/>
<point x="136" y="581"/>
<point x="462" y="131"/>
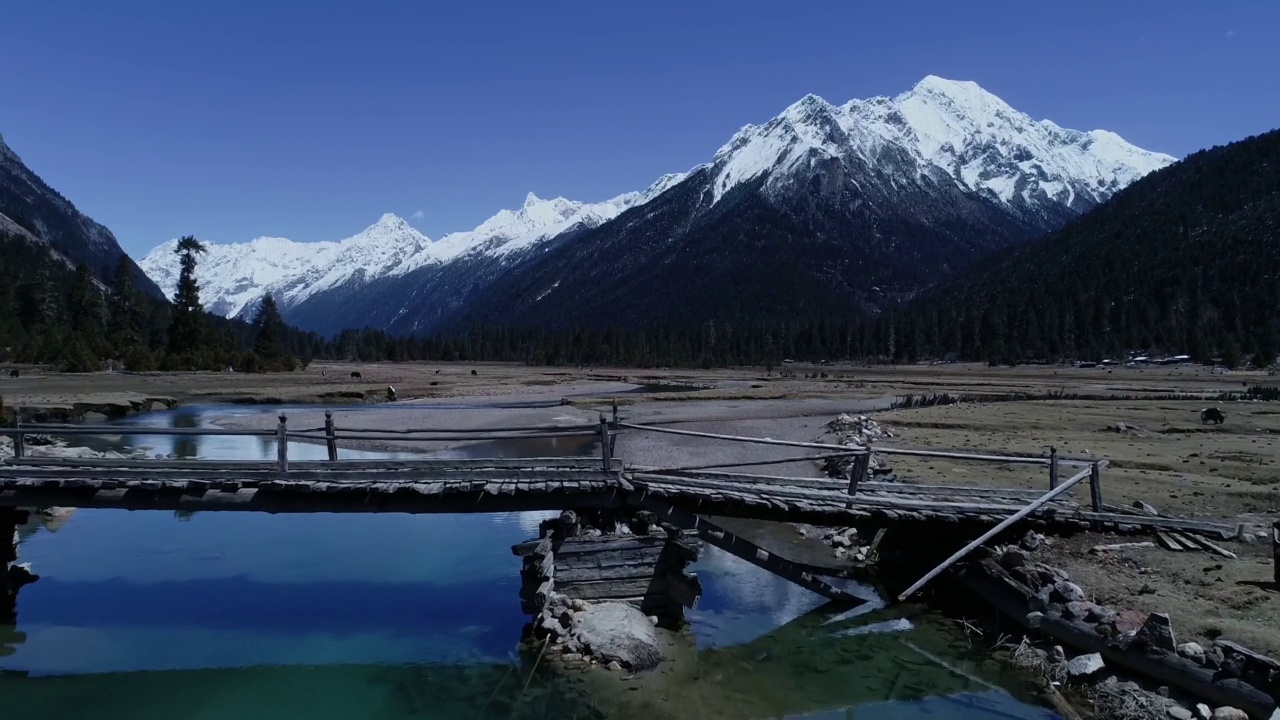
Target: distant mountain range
<point x="825" y="209"/>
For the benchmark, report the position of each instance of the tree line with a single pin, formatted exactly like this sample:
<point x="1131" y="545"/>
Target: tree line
<point x="55" y="314"/>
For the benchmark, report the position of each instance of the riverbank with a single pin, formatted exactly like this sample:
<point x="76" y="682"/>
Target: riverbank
<point x="332" y="383"/>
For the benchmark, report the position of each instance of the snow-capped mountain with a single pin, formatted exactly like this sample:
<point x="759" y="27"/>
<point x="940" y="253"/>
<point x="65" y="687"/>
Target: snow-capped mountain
<point x="233" y="277"/>
<point x="953" y="127"/>
<point x="820" y="212"/>
<point x="821" y="209"/>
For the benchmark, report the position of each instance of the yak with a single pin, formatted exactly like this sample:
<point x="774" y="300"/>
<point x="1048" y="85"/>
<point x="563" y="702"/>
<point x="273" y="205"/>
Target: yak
<point x="356" y="376"/>
<point x="14" y="373"/>
<point x="391" y="394"/>
<point x="1213" y="415"/>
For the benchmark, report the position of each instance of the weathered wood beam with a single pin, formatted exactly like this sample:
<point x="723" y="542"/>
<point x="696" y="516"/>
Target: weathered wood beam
<point x="743" y="548"/>
<point x="358" y="500"/>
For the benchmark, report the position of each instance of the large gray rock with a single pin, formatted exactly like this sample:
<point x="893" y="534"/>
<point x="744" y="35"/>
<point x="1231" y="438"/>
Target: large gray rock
<point x="617" y="631"/>
<point x="1177" y="712"/>
<point x="1192" y="651"/>
<point x="1227" y="712"/>
<point x="1066" y="592"/>
<point x="1156" y="633"/>
<point x="1082" y="667"/>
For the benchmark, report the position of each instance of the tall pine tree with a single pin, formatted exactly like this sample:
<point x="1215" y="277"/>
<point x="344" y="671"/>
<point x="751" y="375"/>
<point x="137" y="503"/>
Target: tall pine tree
<point x="186" y="325"/>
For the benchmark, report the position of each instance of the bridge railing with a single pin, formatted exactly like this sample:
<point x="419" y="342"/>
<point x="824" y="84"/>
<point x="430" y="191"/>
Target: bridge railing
<point x="858" y="472"/>
<point x="329" y="434"/>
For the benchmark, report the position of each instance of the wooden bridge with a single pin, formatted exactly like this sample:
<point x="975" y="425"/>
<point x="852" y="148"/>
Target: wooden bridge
<point x="683" y="497"/>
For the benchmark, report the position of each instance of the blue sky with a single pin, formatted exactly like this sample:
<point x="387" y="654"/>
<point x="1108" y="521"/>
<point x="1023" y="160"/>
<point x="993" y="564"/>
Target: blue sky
<point x="232" y="119"/>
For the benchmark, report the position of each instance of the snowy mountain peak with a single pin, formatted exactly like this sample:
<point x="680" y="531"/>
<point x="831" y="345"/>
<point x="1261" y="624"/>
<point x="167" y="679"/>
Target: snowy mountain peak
<point x="955" y="127"/>
<point x="530" y="200"/>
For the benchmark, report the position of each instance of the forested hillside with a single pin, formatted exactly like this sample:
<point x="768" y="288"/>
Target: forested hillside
<point x="1186" y="260"/>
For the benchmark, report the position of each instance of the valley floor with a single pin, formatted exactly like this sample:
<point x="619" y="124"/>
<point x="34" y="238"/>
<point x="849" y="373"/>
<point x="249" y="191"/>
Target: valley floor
<point x="1158" y="450"/>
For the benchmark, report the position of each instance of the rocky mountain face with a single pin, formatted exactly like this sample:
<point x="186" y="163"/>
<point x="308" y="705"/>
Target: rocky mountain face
<point x="825" y="209"/>
<point x="33" y="212"/>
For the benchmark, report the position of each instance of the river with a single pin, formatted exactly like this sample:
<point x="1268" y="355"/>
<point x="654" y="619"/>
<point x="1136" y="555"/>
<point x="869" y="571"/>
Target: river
<point x="157" y="615"/>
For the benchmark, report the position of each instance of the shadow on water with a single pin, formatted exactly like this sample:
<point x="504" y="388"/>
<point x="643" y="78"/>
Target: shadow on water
<point x="248" y="616"/>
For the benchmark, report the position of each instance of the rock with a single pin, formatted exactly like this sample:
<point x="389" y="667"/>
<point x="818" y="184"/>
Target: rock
<point x="618" y="631"/>
<point x="653" y="619"/>
<point x="615" y="666"/>
<point x="1031" y="540"/>
<point x="1157" y="633"/>
<point x="1013" y="558"/>
<point x="1149" y="510"/>
<point x="578" y="605"/>
<point x="1043" y="598"/>
<point x="1067" y="592"/>
<point x="1084" y="610"/>
<point x="1192" y="651"/>
<point x="840" y="541"/>
<point x="572" y="657"/>
<point x="1129" y="621"/>
<point x="1082" y="667"/>
<point x="1177" y="712"/>
<point x="1226" y="712"/>
<point x="1057" y="654"/>
<point x="1203" y="711"/>
<point x="1213" y="657"/>
<point x="1034" y="618"/>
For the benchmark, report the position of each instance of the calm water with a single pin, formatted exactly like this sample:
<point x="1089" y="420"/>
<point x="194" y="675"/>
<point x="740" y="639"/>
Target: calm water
<point x="148" y="615"/>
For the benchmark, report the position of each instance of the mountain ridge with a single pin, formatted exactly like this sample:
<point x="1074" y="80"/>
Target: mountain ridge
<point x="978" y="174"/>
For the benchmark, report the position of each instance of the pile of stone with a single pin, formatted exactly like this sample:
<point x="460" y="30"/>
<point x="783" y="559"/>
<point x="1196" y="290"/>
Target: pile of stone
<point x="615" y="635"/>
<point x="858" y="429"/>
<point x="1240" y="682"/>
<point x="855" y="431"/>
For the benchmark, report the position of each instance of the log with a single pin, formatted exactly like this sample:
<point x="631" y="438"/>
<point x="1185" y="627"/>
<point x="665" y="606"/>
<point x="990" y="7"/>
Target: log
<point x="1168" y="543"/>
<point x="996" y="530"/>
<point x="1206" y="545"/>
<point x="1121" y="546"/>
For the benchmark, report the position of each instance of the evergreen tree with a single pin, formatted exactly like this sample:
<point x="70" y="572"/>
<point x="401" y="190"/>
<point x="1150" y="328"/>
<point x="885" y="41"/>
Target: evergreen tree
<point x="268" y="337"/>
<point x="186" y="325"/>
<point x="124" y="320"/>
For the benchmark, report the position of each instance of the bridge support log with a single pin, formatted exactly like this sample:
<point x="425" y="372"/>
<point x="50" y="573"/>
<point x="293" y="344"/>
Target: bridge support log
<point x="799" y="573"/>
<point x="647" y="570"/>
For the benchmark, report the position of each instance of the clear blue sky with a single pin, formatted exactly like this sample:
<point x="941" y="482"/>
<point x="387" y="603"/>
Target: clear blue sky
<point x="308" y="120"/>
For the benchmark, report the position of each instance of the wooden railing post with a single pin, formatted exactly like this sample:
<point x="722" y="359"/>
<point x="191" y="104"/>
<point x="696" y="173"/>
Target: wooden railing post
<point x="282" y="444"/>
<point x="606" y="451"/>
<point x="858" y="474"/>
<point x="1095" y="486"/>
<point x="330" y="441"/>
<point x="1275" y="550"/>
<point x="1053" y="467"/>
<point x="19" y="446"/>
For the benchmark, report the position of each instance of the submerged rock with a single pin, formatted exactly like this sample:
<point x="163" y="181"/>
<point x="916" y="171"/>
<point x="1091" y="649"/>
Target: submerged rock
<point x="617" y="631"/>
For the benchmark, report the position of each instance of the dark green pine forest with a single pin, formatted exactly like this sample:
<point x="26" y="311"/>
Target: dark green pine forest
<point x="1184" y="261"/>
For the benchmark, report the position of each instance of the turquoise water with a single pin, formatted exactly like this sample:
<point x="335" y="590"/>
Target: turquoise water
<point x="149" y="615"/>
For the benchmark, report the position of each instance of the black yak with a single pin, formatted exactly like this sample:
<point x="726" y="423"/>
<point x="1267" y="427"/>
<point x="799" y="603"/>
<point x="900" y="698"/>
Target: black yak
<point x="356" y="376"/>
<point x="1213" y="415"/>
<point x="391" y="394"/>
<point x="14" y="373"/>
